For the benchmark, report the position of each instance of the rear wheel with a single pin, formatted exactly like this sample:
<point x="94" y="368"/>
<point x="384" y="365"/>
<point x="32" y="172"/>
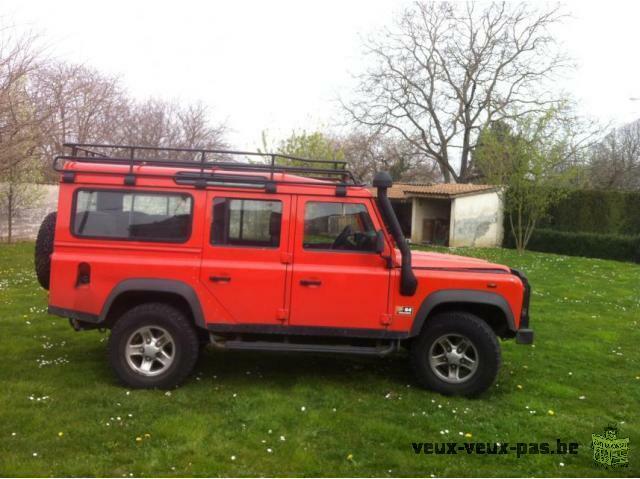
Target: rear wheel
<point x="153" y="345"/>
<point x="44" y="248"/>
<point x="456" y="353"/>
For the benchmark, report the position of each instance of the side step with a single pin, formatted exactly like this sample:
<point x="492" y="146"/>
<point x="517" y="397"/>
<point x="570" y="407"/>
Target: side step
<point x="283" y="346"/>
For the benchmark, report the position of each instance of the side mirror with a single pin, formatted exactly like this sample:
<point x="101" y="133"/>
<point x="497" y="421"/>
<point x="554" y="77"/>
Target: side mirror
<point x="379" y="242"/>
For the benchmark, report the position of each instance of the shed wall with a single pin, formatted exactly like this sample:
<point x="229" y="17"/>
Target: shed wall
<point x="476" y="220"/>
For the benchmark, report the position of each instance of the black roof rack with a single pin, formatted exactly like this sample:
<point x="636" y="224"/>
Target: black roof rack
<point x="206" y="161"/>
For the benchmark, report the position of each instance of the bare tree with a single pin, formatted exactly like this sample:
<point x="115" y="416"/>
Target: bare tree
<point x="20" y="126"/>
<point x="615" y="161"/>
<point x="83" y="105"/>
<point x="166" y="124"/>
<point x="368" y="153"/>
<point x="446" y="70"/>
<point x="79" y="104"/>
<point x="18" y="122"/>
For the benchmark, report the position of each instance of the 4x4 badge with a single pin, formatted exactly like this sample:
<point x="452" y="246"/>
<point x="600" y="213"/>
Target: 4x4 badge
<point x="404" y="310"/>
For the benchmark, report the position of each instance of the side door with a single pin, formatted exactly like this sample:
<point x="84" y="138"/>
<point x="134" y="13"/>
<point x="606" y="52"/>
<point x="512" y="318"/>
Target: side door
<point x="338" y="279"/>
<point x="245" y="257"/>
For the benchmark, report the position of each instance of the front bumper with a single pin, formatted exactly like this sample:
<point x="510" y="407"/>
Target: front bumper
<point x="524" y="335"/>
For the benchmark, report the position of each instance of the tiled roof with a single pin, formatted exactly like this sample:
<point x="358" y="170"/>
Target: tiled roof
<point x="434" y="190"/>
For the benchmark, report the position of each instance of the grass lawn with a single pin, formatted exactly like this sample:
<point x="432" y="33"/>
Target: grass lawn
<point x="246" y="414"/>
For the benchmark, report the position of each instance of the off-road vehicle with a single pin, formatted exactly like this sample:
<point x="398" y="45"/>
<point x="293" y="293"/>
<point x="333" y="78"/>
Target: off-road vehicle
<point x="173" y="248"/>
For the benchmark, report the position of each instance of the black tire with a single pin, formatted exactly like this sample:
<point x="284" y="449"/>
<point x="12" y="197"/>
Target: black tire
<point x="476" y="331"/>
<point x="44" y="248"/>
<point x="185" y="347"/>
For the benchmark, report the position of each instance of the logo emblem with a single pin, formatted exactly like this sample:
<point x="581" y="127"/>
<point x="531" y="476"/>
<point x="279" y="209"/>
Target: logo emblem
<point x="608" y="450"/>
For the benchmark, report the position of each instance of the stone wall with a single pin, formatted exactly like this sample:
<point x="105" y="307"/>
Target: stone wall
<point x="27" y="222"/>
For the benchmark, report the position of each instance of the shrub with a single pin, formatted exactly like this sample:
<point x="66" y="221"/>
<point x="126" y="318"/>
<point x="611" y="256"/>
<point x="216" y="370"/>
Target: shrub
<point x="596" y="211"/>
<point x="593" y="245"/>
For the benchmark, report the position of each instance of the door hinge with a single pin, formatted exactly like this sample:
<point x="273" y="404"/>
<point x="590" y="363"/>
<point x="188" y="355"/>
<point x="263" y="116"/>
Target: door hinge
<point x="286" y="257"/>
<point x="385" y="319"/>
<point x="282" y="314"/>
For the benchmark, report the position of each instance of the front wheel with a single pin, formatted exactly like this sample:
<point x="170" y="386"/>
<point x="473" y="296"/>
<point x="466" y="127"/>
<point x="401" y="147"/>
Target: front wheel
<point x="456" y="353"/>
<point x="153" y="345"/>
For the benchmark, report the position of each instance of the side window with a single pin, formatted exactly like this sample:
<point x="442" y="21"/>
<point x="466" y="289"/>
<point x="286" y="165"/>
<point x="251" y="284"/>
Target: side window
<point x="338" y="226"/>
<point x="240" y="222"/>
<point x="132" y="216"/>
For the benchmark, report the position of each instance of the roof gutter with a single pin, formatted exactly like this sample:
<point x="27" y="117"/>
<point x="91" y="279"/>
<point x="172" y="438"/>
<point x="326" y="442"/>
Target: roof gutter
<point x="408" y="282"/>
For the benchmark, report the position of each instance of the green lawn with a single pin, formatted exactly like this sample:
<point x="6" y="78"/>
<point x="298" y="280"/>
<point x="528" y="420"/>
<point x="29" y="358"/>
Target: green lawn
<point x="245" y="414"/>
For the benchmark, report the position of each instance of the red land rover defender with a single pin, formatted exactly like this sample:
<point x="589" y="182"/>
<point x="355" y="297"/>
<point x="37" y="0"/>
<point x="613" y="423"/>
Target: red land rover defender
<point x="171" y="249"/>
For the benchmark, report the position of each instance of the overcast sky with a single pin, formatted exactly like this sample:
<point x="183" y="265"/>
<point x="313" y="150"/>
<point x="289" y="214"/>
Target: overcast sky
<point x="280" y="65"/>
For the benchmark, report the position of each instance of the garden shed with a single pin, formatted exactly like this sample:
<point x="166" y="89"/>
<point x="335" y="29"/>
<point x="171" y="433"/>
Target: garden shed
<point x="449" y="214"/>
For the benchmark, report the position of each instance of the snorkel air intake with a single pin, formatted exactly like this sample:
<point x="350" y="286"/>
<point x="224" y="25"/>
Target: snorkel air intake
<point x="408" y="282"/>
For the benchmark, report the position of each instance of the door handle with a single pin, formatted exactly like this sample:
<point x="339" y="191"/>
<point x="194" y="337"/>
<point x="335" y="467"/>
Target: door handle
<point x="310" y="282"/>
<point x="219" y="279"/>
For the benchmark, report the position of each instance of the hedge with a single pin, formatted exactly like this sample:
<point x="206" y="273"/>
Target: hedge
<point x="592" y="245"/>
<point x="596" y="211"/>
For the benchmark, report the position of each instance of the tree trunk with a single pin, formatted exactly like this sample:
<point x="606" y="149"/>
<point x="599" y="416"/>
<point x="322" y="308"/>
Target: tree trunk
<point x="445" y="173"/>
<point x="10" y="215"/>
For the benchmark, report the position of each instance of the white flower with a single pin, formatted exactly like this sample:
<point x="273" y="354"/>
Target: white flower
<point x="303" y="408"/>
<point x="168" y="393"/>
<point x="35" y="454"/>
<point x="269" y="450"/>
<point x="582" y="397"/>
<point x="562" y="464"/>
<point x="233" y="458"/>
<point x="282" y="438"/>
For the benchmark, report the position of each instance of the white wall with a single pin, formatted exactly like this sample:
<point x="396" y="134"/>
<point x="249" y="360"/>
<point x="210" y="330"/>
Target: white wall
<point x="476" y="220"/>
<point x="27" y="223"/>
<point x="426" y="208"/>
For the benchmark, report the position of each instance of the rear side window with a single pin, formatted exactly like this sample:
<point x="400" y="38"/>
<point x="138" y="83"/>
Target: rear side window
<point x="135" y="216"/>
<point x="243" y="222"/>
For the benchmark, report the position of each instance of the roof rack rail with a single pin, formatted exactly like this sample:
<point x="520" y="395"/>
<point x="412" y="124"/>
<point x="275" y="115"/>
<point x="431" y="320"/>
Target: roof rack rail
<point x="206" y="161"/>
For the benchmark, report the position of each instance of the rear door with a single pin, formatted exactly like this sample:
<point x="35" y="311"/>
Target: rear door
<point x="338" y="279"/>
<point x="245" y="257"/>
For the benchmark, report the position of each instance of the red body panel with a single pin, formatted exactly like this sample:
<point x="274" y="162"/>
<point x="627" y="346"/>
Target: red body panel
<point x="255" y="291"/>
<point x="355" y="290"/>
